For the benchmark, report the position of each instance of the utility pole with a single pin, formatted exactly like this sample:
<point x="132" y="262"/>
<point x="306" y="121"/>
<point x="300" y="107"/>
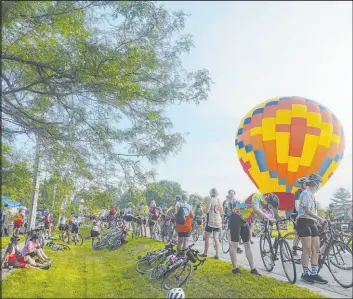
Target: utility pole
<point x="35" y="189"/>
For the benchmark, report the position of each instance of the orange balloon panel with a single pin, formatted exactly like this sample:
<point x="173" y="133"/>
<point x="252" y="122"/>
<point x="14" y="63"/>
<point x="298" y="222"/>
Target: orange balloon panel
<point x="284" y="139"/>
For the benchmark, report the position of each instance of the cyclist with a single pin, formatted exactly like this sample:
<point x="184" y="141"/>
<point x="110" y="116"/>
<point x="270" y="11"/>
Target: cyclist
<point x="228" y="205"/>
<point x="330" y="214"/>
<point x="143" y="213"/>
<point x="199" y="215"/>
<point x="308" y="231"/>
<point x="63" y="227"/>
<point x="95" y="231"/>
<point x="48" y="222"/>
<point x="19" y="218"/>
<point x="153" y="218"/>
<point x="129" y="215"/>
<point x="74" y="227"/>
<point x="183" y="229"/>
<point x="214" y="211"/>
<point x="242" y="214"/>
<point x="297" y="193"/>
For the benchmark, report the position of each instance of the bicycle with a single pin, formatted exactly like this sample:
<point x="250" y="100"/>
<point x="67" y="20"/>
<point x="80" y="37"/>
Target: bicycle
<point x="197" y="225"/>
<point x="176" y="268"/>
<point x="153" y="258"/>
<point x="280" y="246"/>
<point x="57" y="246"/>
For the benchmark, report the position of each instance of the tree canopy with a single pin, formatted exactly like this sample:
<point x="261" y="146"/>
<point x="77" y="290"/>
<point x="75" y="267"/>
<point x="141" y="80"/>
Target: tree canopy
<point x="342" y="200"/>
<point x="92" y="81"/>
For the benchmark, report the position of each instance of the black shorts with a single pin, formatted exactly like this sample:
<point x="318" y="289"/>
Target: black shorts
<point x="184" y="234"/>
<point x="211" y="229"/>
<point x="128" y="217"/>
<point x="151" y="222"/>
<point x="199" y="221"/>
<point x="46" y="225"/>
<point x="63" y="227"/>
<point x="94" y="234"/>
<point x="238" y="228"/>
<point x="307" y="228"/>
<point x="74" y="230"/>
<point x="17" y="226"/>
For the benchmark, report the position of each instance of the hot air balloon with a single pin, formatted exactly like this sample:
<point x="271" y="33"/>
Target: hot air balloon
<point x="284" y="139"/>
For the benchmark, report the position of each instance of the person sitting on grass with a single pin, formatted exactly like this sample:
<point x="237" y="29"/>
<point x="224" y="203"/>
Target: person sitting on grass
<point x="33" y="248"/>
<point x="95" y="232"/>
<point x="14" y="258"/>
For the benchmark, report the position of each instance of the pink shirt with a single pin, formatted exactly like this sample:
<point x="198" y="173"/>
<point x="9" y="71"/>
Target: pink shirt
<point x="29" y="247"/>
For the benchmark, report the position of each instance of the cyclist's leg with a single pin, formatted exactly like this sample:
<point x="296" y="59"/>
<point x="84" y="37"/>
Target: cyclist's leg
<point x="234" y="225"/>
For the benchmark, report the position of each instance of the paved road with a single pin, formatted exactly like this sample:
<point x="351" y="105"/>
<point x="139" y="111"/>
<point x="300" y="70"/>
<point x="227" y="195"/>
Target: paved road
<point x="332" y="289"/>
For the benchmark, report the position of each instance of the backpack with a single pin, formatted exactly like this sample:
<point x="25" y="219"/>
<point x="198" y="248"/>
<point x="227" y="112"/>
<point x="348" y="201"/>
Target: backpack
<point x="180" y="217"/>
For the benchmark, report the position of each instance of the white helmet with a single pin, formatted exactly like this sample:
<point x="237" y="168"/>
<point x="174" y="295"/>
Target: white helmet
<point x="176" y="293"/>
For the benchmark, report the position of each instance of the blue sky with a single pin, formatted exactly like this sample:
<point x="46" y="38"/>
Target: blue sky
<point x="256" y="51"/>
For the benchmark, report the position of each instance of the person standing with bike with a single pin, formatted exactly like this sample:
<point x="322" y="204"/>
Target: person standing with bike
<point x="214" y="211"/>
<point x="307" y="230"/>
<point x="294" y="214"/>
<point x="183" y="214"/>
<point x="242" y="214"/>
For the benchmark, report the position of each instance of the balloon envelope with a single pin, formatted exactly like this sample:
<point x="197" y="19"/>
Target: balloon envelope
<point x="284" y="139"/>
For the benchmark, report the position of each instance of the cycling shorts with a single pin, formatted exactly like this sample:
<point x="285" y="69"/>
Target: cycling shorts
<point x="307" y="228"/>
<point x="238" y="228"/>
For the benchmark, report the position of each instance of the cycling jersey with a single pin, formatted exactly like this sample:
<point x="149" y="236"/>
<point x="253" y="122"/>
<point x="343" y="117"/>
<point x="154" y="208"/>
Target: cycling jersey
<point x="330" y="215"/>
<point x="144" y="211"/>
<point x="246" y="209"/>
<point x="198" y="213"/>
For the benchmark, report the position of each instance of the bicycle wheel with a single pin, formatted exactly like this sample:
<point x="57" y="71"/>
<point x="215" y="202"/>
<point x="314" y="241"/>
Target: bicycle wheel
<point x="266" y="253"/>
<point x="296" y="244"/>
<point x="287" y="261"/>
<point x="174" y="278"/>
<point x="339" y="262"/>
<point x="148" y="263"/>
<point x="195" y="233"/>
<point x="225" y="244"/>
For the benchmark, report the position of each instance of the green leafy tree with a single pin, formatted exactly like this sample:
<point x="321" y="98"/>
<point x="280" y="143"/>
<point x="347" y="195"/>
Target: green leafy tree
<point x="16" y="177"/>
<point x="92" y="81"/>
<point x="195" y="198"/>
<point x="342" y="202"/>
<point x="164" y="192"/>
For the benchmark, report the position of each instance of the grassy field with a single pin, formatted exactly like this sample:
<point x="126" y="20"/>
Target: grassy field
<point x="6" y="240"/>
<point x="83" y="273"/>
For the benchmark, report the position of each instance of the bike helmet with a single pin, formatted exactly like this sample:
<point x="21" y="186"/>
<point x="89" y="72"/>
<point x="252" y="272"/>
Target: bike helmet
<point x="301" y="181"/>
<point x="231" y="191"/>
<point x="213" y="192"/>
<point x="272" y="199"/>
<point x="199" y="205"/>
<point x="178" y="198"/>
<point x="313" y="180"/>
<point x="129" y="204"/>
<point x="184" y="197"/>
<point x="14" y="239"/>
<point x="176" y="293"/>
<point x="331" y="205"/>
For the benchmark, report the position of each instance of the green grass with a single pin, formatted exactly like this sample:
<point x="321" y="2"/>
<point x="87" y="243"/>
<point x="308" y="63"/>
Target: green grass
<point x="83" y="273"/>
<point x="284" y="232"/>
<point x="6" y="240"/>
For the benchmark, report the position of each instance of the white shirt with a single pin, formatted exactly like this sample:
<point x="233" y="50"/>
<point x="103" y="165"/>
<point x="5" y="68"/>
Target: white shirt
<point x="63" y="220"/>
<point x="102" y="213"/>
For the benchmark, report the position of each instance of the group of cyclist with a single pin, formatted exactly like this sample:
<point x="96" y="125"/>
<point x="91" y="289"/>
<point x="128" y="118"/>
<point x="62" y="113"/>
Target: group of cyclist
<point x="212" y="214"/>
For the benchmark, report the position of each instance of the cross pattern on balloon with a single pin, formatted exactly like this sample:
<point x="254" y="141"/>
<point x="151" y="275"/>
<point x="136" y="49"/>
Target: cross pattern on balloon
<point x="286" y="138"/>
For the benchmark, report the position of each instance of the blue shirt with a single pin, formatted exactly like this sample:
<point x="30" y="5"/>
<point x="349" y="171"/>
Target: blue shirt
<point x="306" y="200"/>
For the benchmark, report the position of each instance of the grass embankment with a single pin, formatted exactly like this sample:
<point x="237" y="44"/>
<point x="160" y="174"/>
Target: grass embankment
<point x="6" y="240"/>
<point x="83" y="273"/>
